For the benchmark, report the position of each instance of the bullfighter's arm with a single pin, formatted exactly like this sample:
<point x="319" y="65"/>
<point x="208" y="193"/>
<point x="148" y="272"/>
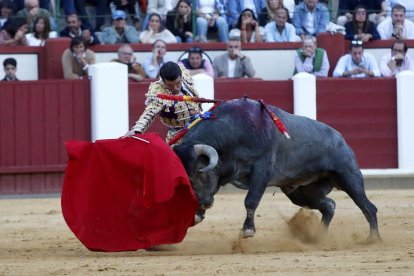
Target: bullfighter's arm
<point x="152" y="109"/>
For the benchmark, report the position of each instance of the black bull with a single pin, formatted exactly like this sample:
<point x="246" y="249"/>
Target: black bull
<point x="242" y="146"/>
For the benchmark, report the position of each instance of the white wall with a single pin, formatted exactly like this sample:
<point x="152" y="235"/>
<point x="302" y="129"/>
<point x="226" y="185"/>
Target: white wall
<point x="269" y="64"/>
<point x="27" y="66"/>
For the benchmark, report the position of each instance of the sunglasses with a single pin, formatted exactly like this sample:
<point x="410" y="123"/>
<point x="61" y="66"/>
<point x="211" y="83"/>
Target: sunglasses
<point x="195" y="50"/>
<point x="356" y="42"/>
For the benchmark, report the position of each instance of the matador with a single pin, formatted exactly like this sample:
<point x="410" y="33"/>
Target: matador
<point x="175" y="80"/>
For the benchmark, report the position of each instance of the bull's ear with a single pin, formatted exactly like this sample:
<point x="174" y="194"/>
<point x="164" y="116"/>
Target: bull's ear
<point x="210" y="153"/>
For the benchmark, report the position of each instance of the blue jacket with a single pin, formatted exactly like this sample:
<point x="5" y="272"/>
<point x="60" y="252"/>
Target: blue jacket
<point x="110" y="36"/>
<point x="300" y="16"/>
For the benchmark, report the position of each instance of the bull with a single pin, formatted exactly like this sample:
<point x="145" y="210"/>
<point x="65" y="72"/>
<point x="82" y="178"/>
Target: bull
<point x="242" y="146"/>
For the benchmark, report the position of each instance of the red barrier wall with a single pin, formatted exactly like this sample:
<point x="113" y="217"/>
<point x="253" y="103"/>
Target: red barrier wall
<point x="36" y="117"/>
<point x="365" y="112"/>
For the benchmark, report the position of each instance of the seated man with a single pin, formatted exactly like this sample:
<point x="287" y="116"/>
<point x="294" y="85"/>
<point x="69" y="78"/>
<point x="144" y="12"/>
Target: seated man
<point x="120" y="31"/>
<point x="233" y="64"/>
<point x="195" y="63"/>
<point x="310" y="18"/>
<point x="6" y="11"/>
<point x="311" y="59"/>
<point x="397" y="60"/>
<point x="357" y="64"/>
<point x="280" y="30"/>
<point x="396" y="26"/>
<point x="126" y="56"/>
<point x="32" y="11"/>
<point x="408" y="5"/>
<point x="74" y="27"/>
<point x="10" y="67"/>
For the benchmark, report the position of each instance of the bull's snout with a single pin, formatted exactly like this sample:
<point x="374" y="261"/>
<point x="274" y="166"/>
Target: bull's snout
<point x="204" y="201"/>
<point x="205" y="206"/>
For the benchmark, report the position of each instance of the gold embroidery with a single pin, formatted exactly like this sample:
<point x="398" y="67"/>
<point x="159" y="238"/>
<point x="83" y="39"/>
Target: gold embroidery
<point x="154" y="105"/>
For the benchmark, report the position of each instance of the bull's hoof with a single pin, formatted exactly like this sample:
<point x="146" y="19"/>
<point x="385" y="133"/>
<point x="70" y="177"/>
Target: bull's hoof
<point x="374" y="237"/>
<point x="247" y="233"/>
<point x="197" y="219"/>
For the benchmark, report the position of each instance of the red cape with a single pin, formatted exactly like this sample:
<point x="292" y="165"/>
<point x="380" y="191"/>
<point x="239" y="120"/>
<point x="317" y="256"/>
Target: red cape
<point x="126" y="194"/>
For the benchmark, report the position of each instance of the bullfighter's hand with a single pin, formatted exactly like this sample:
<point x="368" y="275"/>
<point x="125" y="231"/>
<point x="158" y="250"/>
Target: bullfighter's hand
<point x="129" y="134"/>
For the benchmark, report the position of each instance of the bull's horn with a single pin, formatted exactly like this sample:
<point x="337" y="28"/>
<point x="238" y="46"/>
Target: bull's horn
<point x="210" y="152"/>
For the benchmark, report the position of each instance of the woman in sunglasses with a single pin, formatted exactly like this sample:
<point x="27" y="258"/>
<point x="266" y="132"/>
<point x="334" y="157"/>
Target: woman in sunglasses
<point x="360" y="28"/>
<point x="196" y="64"/>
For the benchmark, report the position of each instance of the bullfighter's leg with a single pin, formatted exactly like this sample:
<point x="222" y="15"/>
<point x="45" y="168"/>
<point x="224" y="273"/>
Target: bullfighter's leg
<point x="313" y="196"/>
<point x="353" y="184"/>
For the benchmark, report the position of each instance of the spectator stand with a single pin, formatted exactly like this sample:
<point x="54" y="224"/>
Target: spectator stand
<point x="272" y="61"/>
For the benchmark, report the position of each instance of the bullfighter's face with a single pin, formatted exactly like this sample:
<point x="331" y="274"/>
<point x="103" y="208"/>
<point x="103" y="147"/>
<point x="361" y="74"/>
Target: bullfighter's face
<point x="173" y="86"/>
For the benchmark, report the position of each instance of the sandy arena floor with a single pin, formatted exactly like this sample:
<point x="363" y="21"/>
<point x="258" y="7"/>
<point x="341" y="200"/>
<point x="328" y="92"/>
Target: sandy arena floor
<point x="34" y="240"/>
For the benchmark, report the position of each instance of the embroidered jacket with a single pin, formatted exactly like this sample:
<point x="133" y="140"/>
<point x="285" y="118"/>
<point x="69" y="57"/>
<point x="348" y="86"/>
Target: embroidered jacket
<point x="173" y="114"/>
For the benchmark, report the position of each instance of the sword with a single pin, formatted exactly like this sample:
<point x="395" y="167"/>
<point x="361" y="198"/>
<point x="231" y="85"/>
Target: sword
<point x="143" y="140"/>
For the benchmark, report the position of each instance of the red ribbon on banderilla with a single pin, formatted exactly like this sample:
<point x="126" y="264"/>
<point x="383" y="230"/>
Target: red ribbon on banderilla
<point x="279" y="124"/>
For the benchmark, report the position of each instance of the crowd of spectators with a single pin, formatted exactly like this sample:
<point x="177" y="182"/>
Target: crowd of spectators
<point x="216" y="20"/>
<point x="33" y="22"/>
